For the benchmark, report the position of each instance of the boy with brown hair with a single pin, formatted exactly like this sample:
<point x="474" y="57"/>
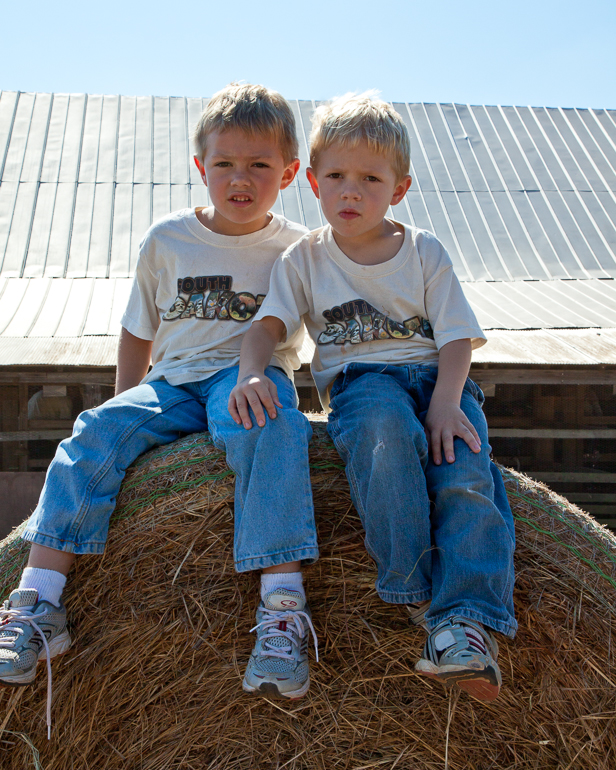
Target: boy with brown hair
<point x="200" y="279"/>
<point x="393" y="334"/>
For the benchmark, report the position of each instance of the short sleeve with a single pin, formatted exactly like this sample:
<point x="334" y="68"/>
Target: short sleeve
<point x="449" y="312"/>
<point x="141" y="315"/>
<point x="286" y="297"/>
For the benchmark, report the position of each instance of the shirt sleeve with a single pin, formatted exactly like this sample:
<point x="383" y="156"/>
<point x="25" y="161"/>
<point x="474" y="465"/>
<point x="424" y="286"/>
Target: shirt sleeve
<point x="141" y="315"/>
<point x="449" y="312"/>
<point x="286" y="297"/>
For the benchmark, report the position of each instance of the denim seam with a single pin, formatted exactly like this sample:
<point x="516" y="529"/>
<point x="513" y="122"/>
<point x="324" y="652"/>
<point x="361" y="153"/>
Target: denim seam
<point x="394" y="597"/>
<point x="294" y="554"/>
<point x="95" y="547"/>
<point x="343" y="451"/>
<point x="352" y="479"/>
<point x="110" y="459"/>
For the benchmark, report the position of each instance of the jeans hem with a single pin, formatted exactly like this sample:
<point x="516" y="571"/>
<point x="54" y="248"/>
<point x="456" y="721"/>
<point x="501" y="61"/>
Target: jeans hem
<point x="393" y="597"/>
<point x="307" y="555"/>
<point x="66" y="546"/>
<point x="506" y="627"/>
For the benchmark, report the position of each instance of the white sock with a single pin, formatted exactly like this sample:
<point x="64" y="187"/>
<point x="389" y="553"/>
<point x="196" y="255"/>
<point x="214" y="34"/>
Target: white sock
<point x="47" y="582"/>
<point x="272" y="580"/>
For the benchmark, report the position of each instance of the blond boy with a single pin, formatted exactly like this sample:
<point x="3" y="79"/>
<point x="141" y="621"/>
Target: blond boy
<point x="393" y="334"/>
<point x="201" y="276"/>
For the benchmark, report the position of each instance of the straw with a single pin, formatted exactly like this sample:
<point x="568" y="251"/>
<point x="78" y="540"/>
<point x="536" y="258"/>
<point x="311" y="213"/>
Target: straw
<point x="160" y="627"/>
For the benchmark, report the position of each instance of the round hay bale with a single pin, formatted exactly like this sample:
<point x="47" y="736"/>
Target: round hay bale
<point x="161" y="635"/>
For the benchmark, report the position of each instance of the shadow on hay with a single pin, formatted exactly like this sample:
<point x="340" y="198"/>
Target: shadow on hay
<point x="160" y="626"/>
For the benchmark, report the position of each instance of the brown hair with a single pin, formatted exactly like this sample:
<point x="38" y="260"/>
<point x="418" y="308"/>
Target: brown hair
<point x="254" y="109"/>
<point x="354" y="118"/>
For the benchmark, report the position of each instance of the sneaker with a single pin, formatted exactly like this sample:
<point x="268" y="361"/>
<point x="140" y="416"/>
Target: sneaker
<point x="278" y="666"/>
<point x="30" y="631"/>
<point x="462" y="652"/>
<point x="417" y="613"/>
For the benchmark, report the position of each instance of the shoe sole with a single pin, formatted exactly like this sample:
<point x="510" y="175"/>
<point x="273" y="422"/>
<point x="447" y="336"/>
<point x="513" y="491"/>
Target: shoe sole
<point x="483" y="685"/>
<point x="57" y="646"/>
<point x="270" y="690"/>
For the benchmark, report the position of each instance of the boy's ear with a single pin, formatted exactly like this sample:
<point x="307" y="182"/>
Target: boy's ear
<point x="289" y="173"/>
<point x="201" y="168"/>
<point x="401" y="190"/>
<point x="313" y="181"/>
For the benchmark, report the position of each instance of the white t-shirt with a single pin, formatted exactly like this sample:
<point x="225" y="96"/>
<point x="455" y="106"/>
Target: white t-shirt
<point x="195" y="294"/>
<point x="401" y="311"/>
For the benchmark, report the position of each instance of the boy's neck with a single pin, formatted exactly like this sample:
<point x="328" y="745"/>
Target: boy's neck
<point x="374" y="247"/>
<point x="212" y="219"/>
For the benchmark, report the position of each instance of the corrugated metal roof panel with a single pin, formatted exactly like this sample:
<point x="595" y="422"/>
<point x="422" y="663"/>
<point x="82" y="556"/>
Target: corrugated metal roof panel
<point x="10" y="300"/>
<point x="95" y="306"/>
<point x="562" y="347"/>
<point x="143" y="140"/>
<point x="19" y="235"/>
<point x="37" y="136"/>
<point x="52" y="309"/>
<point x="8" y="106"/>
<point x="514" y="193"/>
<point x="29" y="308"/>
<point x="41" y="228"/>
<point x="580" y="347"/>
<point x="119" y="260"/>
<point x="73" y="137"/>
<point x="99" y="311"/>
<point x="82" y="351"/>
<point x="18" y="138"/>
<point x="60" y="235"/>
<point x="76" y="309"/>
<point x="90" y="139"/>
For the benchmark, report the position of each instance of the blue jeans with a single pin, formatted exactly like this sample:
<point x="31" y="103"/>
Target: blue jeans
<point x="440" y="532"/>
<point x="274" y="517"/>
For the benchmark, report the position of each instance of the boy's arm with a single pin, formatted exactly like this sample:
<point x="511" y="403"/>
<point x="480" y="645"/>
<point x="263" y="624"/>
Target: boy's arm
<point x="445" y="418"/>
<point x="254" y="390"/>
<point x="134" y="356"/>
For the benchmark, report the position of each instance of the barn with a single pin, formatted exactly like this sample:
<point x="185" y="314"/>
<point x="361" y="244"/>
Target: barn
<point x="523" y="198"/>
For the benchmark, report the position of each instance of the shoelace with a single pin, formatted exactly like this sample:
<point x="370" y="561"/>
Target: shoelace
<point x="271" y="626"/>
<point x="25" y="616"/>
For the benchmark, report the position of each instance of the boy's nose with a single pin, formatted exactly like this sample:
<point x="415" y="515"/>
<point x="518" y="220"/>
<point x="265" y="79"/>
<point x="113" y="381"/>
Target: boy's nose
<point x="351" y="191"/>
<point x="240" y="178"/>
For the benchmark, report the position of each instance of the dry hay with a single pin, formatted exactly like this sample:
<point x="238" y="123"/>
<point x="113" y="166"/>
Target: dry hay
<point x="160" y="627"/>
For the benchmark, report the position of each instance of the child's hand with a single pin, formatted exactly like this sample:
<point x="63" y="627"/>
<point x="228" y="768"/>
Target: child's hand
<point x="445" y="420"/>
<point x="254" y="391"/>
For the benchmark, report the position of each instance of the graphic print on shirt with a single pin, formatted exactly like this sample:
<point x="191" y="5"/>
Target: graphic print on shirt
<point x="210" y="297"/>
<point x="357" y="321"/>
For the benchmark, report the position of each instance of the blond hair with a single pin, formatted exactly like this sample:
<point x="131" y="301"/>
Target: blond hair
<point x="355" y="118"/>
<point x="254" y="109"/>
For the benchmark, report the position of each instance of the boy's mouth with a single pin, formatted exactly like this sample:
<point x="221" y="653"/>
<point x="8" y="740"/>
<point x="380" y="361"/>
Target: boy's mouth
<point x="240" y="200"/>
<point x="348" y="214"/>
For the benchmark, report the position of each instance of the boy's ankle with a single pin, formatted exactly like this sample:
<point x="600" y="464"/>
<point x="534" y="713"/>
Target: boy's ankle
<point x="48" y="583"/>
<point x="270" y="581"/>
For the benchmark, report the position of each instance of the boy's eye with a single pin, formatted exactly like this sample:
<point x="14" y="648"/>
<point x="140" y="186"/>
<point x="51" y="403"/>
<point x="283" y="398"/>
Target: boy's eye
<point x="335" y="175"/>
<point x="261" y="165"/>
<point x="222" y="164"/>
<point x="371" y="178"/>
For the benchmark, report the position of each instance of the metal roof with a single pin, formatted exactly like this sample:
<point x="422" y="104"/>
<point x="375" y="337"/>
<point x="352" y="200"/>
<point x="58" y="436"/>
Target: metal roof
<point x="562" y="347"/>
<point x="523" y="198"/>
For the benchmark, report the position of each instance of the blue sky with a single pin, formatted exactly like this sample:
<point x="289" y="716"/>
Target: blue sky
<point x="540" y="53"/>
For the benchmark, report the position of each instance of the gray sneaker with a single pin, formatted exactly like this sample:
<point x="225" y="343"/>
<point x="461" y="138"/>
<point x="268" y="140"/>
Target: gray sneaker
<point x="460" y="651"/>
<point x="29" y="631"/>
<point x="278" y="666"/>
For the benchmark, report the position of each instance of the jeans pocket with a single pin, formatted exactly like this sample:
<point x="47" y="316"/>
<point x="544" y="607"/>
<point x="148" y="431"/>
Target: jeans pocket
<point x="475" y="391"/>
<point x="338" y="386"/>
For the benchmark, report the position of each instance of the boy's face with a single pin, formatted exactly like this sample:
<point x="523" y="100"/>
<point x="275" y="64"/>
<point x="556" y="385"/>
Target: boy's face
<point x="356" y="186"/>
<point x="243" y="173"/>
